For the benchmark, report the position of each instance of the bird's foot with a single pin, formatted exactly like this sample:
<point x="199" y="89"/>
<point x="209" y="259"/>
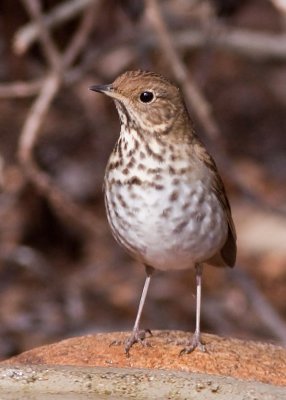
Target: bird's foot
<point x="137" y="336"/>
<point x="194" y="343"/>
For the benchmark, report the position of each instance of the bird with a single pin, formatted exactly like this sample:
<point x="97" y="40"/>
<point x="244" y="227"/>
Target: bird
<point x="165" y="201"/>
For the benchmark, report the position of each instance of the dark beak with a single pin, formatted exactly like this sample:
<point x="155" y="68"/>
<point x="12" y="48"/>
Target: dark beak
<point x="101" y="88"/>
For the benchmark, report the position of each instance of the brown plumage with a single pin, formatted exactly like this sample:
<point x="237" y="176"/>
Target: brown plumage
<point x="165" y="200"/>
<point x="227" y="254"/>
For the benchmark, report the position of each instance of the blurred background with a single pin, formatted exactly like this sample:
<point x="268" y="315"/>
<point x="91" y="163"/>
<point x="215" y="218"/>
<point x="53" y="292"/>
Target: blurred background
<point x="61" y="272"/>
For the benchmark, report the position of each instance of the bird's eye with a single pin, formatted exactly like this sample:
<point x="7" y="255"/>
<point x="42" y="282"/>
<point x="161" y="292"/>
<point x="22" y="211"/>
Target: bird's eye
<point x="146" y="97"/>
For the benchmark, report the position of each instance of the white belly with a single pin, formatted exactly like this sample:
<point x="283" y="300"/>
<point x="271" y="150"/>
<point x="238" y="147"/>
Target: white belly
<point x="172" y="228"/>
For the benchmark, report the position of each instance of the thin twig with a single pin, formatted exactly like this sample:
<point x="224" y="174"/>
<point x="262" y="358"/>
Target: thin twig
<point x="36" y="117"/>
<point x="256" y="45"/>
<point x="260" y="304"/>
<point x="20" y="89"/>
<point x="259" y="46"/>
<point x="53" y="57"/>
<point x="29" y="33"/>
<point x="79" y="40"/>
<point x="62" y="204"/>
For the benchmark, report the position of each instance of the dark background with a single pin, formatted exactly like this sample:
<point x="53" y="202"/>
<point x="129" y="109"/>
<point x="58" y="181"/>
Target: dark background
<point x="61" y="272"/>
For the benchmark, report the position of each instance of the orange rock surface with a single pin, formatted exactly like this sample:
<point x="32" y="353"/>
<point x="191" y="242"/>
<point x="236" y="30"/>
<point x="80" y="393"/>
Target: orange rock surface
<point x="228" y="357"/>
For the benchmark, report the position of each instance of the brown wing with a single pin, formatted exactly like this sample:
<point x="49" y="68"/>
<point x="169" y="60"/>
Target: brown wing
<point x="227" y="255"/>
<point x="228" y="251"/>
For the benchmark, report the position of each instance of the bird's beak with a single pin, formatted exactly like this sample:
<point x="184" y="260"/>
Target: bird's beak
<point x="106" y="89"/>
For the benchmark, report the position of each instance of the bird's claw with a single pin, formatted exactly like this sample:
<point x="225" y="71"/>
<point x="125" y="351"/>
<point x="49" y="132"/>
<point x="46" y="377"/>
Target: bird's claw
<point x="191" y="345"/>
<point x="137" y="336"/>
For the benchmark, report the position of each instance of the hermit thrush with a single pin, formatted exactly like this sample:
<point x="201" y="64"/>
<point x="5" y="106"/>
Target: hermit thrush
<point x="165" y="201"/>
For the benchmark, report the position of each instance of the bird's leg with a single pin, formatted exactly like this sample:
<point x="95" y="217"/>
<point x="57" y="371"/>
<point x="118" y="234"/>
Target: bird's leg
<point x="195" y="342"/>
<point x="138" y="336"/>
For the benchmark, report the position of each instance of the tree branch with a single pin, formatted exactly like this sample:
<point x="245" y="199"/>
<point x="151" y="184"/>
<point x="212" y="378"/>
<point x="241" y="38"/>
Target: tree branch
<point x="53" y="57"/>
<point x="28" y="34"/>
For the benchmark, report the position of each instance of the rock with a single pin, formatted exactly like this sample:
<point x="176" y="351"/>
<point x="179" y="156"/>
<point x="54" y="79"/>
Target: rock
<point x="246" y="360"/>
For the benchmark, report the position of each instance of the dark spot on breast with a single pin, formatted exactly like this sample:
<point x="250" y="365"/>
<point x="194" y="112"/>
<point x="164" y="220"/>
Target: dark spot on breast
<point x="134" y="180"/>
<point x="121" y="201"/>
<point x="136" y="144"/>
<point x="142" y="155"/>
<point x="115" y="182"/>
<point x="141" y="167"/>
<point x="148" y="150"/>
<point x="113" y="165"/>
<point x="172" y="170"/>
<point x="126" y="113"/>
<point x="186" y="205"/>
<point x="166" y="212"/>
<point x="115" y="149"/>
<point x="119" y="148"/>
<point x="131" y="162"/>
<point x="182" y="171"/>
<point x="133" y="195"/>
<point x="181" y="226"/>
<point x="154" y="170"/>
<point x="176" y="181"/>
<point x="125" y="171"/>
<point x="199" y="217"/>
<point x="152" y="154"/>
<point x="156" y="186"/>
<point x="174" y="195"/>
<point x="160" y="141"/>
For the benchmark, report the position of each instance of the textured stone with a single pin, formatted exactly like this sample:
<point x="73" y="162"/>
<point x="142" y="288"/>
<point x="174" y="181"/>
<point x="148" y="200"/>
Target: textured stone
<point x="246" y="360"/>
